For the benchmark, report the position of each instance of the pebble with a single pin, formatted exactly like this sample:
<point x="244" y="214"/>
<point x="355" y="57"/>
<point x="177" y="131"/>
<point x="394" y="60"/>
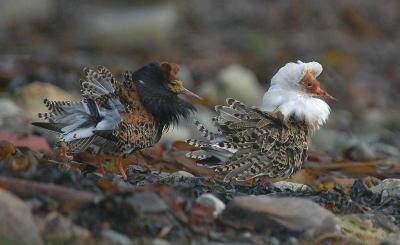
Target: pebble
<point x="111" y="237"/>
<point x="147" y="202"/>
<point x="387" y="188"/>
<point x="212" y="201"/>
<point x="290" y="186"/>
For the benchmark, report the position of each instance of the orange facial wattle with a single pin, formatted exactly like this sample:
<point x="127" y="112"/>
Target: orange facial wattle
<point x="312" y="86"/>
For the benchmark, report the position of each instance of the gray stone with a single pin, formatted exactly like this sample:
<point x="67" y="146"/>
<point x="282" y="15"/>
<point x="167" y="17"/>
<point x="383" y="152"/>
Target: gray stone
<point x="111" y="237"/>
<point x="361" y="152"/>
<point x="148" y="202"/>
<point x="297" y="215"/>
<point x="56" y="229"/>
<point x="181" y="175"/>
<point x="387" y="188"/>
<point x="212" y="201"/>
<point x="16" y="221"/>
<point x="242" y="84"/>
<point x="12" y="117"/>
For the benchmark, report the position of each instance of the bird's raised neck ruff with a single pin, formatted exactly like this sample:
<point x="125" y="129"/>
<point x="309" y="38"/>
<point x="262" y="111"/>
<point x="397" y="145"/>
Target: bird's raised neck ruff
<point x="286" y="96"/>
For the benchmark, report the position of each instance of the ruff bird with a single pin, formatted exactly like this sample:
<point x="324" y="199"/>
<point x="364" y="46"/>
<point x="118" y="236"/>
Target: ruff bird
<point x="116" y="118"/>
<point x="269" y="140"/>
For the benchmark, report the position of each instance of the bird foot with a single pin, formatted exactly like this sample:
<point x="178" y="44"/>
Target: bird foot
<point x="63" y="152"/>
<point x="120" y="167"/>
<point x="99" y="162"/>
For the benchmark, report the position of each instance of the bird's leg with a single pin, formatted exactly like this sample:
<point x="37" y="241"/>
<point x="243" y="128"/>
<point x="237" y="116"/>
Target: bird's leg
<point x="99" y="161"/>
<point x="120" y="167"/>
<point x="63" y="151"/>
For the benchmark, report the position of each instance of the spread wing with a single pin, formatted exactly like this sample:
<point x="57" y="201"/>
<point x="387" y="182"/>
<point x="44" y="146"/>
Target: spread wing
<point x="251" y="143"/>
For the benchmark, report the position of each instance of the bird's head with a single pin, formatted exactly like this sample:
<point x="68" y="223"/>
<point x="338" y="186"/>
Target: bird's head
<point x="158" y="87"/>
<point x="171" y="81"/>
<point x="295" y="91"/>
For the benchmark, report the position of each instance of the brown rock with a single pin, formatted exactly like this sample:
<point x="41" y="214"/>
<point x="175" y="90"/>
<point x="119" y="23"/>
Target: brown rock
<point x="31" y="96"/>
<point x="263" y="213"/>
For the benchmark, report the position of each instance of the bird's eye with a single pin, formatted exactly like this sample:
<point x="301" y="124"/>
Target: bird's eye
<point x="173" y="83"/>
<point x="309" y="84"/>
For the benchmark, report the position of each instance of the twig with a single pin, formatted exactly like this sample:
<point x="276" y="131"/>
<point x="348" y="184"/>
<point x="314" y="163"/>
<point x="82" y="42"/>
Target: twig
<point x="28" y="188"/>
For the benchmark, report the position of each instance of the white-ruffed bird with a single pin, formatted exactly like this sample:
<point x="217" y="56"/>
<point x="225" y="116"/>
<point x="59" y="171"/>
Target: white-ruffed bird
<point x="271" y="139"/>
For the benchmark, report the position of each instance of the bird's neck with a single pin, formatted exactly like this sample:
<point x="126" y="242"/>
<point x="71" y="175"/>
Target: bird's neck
<point x="298" y="105"/>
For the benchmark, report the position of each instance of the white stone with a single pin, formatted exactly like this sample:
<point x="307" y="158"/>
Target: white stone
<point x="213" y="202"/>
<point x="290" y="186"/>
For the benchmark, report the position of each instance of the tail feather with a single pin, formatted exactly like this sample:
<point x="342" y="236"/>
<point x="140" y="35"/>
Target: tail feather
<point x="56" y="127"/>
<point x="79" y="120"/>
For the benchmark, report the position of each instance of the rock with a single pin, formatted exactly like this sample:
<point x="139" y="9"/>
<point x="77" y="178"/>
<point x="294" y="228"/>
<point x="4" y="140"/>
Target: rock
<point x="147" y="202"/>
<point x="385" y="151"/>
<point x="111" y="237"/>
<point x="179" y="175"/>
<point x="9" y="108"/>
<point x="361" y="152"/>
<point x="388" y="188"/>
<point x="56" y="229"/>
<point x="12" y="117"/>
<point x="290" y="186"/>
<point x="361" y="229"/>
<point x="127" y="26"/>
<point x="264" y="213"/>
<point x="212" y="201"/>
<point x="32" y="95"/>
<point x="241" y="83"/>
<point x="16" y="221"/>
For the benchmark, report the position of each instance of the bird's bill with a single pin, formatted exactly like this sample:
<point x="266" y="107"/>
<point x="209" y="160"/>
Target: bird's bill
<point x="187" y="92"/>
<point x="323" y="94"/>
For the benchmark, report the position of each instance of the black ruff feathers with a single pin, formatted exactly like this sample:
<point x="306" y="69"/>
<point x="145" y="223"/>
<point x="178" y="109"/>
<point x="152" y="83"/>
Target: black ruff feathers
<point x="164" y="105"/>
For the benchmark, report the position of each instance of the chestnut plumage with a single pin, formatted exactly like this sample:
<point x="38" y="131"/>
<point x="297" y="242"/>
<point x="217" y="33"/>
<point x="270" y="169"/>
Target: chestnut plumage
<point x="117" y="118"/>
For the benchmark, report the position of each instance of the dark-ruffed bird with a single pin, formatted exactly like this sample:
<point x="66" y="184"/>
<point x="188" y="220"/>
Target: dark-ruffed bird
<point x="272" y="139"/>
<point x="117" y="118"/>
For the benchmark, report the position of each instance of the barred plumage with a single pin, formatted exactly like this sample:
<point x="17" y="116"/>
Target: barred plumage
<point x="255" y="143"/>
<point x="271" y="140"/>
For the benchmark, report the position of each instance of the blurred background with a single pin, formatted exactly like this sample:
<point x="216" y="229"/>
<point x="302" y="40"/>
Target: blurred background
<point x="227" y="48"/>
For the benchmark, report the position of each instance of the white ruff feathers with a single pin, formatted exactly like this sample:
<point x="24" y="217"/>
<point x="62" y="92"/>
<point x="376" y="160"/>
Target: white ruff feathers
<point x="287" y="96"/>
